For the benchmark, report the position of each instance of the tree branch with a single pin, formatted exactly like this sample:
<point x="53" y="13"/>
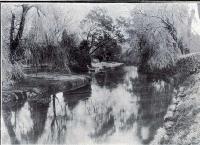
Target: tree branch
<point x="100" y="45"/>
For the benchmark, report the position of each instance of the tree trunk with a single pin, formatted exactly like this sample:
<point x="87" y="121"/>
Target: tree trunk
<point x="11" y="39"/>
<point x="21" y="26"/>
<point x="14" y="43"/>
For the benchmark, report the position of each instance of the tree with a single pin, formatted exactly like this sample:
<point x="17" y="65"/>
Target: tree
<point x="100" y="31"/>
<point x="14" y="41"/>
<point x="49" y="40"/>
<point x="158" y="34"/>
<point x="80" y="59"/>
<point x="170" y="16"/>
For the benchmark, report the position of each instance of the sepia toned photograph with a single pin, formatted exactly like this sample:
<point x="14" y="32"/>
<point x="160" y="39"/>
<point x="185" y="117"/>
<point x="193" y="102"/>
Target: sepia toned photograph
<point x="83" y="73"/>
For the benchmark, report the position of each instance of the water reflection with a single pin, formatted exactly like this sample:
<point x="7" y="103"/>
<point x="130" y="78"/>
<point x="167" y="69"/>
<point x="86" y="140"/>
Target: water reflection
<point x="9" y="111"/>
<point x="110" y="79"/>
<point x="72" y="98"/>
<point x="154" y="96"/>
<point x="120" y="106"/>
<point x="38" y="114"/>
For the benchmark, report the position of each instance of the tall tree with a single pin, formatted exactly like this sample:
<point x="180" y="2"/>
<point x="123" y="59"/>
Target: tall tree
<point x="14" y="41"/>
<point x="100" y="30"/>
<point x="158" y="34"/>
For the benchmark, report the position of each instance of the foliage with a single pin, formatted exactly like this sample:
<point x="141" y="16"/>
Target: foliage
<point x="109" y="52"/>
<point x="38" y="35"/>
<point x="50" y="42"/>
<point x="10" y="72"/>
<point x="158" y="34"/>
<point x="102" y="34"/>
<point x="80" y="59"/>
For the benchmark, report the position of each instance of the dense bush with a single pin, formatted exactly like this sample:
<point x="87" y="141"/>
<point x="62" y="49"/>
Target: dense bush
<point x="80" y="59"/>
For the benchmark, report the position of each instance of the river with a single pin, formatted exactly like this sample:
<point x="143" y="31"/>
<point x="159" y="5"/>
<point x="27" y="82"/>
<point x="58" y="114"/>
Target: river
<point x="120" y="106"/>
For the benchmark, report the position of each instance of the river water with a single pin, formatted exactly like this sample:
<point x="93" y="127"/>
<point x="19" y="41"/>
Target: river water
<point x="120" y="106"/>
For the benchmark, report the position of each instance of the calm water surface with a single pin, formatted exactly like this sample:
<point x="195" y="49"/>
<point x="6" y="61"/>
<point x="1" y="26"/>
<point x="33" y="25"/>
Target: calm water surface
<point x="120" y="106"/>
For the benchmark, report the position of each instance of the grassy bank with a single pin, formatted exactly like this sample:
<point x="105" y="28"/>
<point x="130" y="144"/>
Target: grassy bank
<point x="182" y="121"/>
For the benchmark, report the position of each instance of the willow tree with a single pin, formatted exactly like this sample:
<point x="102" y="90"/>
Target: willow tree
<point x="159" y="34"/>
<point x="15" y="38"/>
<point x="45" y="42"/>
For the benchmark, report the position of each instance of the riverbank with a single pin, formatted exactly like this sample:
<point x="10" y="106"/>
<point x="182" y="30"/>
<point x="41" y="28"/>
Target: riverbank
<point x="182" y="120"/>
<point x="35" y="85"/>
<point x="101" y="66"/>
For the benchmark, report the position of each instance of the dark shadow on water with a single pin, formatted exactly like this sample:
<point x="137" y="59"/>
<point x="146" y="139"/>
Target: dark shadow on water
<point x="72" y="98"/>
<point x="111" y="78"/>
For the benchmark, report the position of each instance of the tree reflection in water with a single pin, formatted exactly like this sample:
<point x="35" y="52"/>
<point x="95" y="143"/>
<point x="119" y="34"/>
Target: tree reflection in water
<point x="104" y="124"/>
<point x="110" y="78"/>
<point x="38" y="109"/>
<point x="118" y="105"/>
<point x="154" y="97"/>
<point x="38" y="115"/>
<point x="72" y="98"/>
<point x="57" y="126"/>
<point x="8" y="110"/>
<point x="63" y="105"/>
